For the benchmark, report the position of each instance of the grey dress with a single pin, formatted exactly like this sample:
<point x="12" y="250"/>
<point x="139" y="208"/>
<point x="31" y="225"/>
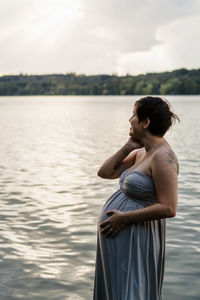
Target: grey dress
<point x="131" y="265"/>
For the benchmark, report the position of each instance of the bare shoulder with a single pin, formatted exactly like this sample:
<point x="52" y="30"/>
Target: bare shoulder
<point x="171" y="159"/>
<point x="132" y="156"/>
<point x="140" y="152"/>
<point x="165" y="157"/>
<point x="128" y="162"/>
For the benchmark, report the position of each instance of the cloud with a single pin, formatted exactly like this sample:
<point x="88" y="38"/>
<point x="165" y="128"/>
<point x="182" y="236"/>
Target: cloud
<point x="31" y="31"/>
<point x="92" y="37"/>
<point x="180" y="48"/>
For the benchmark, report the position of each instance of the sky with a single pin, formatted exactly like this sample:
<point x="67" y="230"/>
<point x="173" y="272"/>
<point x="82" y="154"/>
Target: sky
<point x="98" y="36"/>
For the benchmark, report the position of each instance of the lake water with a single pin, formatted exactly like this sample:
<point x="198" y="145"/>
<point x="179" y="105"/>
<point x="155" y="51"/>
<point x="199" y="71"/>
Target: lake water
<point x="51" y="149"/>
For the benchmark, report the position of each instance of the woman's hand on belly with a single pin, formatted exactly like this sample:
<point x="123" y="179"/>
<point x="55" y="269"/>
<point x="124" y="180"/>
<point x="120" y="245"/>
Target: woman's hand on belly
<point x="114" y="224"/>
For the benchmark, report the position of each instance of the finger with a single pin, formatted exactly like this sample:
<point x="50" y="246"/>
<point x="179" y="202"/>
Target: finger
<point x="103" y="224"/>
<point x="111" y="234"/>
<point x="108" y="234"/>
<point x="110" y="212"/>
<point x="105" y="229"/>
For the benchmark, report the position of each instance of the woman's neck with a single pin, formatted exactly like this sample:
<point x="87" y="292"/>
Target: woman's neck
<point x="151" y="142"/>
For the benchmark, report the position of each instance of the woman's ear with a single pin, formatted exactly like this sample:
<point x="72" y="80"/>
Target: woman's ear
<point x="146" y="123"/>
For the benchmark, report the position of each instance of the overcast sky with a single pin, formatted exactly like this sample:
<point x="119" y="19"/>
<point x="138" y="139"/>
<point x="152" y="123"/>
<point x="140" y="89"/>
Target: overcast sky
<point x="98" y="36"/>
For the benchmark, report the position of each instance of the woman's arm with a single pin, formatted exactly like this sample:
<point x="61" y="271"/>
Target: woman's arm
<point x="164" y="173"/>
<point x="119" y="161"/>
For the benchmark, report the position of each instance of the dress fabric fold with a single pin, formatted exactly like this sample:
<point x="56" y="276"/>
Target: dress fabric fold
<point x="131" y="265"/>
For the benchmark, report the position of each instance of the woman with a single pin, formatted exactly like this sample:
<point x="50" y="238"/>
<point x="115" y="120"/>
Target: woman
<point x="131" y="229"/>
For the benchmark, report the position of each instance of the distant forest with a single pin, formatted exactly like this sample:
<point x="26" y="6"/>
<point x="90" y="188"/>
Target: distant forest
<point x="177" y="82"/>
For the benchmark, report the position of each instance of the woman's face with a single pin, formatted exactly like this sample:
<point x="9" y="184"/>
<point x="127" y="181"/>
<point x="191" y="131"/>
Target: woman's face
<point x="135" y="129"/>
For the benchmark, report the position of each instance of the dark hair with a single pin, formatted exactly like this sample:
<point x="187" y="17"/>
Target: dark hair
<point x="159" y="113"/>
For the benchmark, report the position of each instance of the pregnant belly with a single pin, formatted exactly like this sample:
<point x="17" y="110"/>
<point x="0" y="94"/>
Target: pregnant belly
<point x="120" y="201"/>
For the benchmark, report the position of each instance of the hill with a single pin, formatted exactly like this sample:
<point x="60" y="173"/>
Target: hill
<point x="177" y="82"/>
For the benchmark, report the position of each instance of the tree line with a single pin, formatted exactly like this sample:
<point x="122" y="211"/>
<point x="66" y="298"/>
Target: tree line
<point x="177" y="82"/>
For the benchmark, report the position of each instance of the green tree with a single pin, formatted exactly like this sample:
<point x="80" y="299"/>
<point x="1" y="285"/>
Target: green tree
<point x="138" y="90"/>
<point x="170" y="87"/>
<point x="148" y="89"/>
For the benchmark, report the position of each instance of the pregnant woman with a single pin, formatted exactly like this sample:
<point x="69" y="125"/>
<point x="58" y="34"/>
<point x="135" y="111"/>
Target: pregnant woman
<point x="131" y="227"/>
